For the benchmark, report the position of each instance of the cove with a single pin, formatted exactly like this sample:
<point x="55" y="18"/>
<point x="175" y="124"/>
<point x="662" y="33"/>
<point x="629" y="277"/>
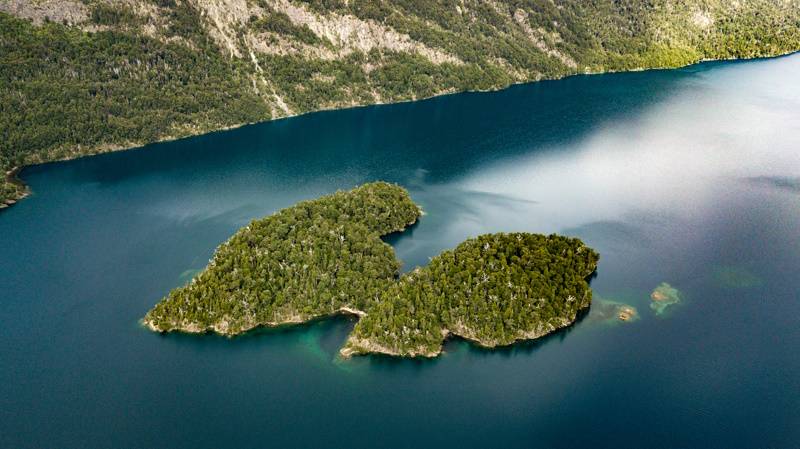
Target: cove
<point x="686" y="176"/>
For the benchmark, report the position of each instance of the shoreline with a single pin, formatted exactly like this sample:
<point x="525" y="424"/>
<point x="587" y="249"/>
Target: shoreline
<point x="542" y="330"/>
<point x="371" y="348"/>
<point x="223" y="329"/>
<point x="124" y="147"/>
<point x="12" y="177"/>
<point x="365" y="346"/>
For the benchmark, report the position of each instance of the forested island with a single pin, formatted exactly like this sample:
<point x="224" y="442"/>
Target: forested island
<point x="80" y="77"/>
<point x="326" y="256"/>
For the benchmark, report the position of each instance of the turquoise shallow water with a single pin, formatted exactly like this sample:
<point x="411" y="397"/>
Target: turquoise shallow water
<point x="689" y="176"/>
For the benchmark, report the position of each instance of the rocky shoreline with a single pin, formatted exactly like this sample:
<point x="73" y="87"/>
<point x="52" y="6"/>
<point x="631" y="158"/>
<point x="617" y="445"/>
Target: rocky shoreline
<point x="356" y="346"/>
<point x="223" y="327"/>
<point x="12" y="178"/>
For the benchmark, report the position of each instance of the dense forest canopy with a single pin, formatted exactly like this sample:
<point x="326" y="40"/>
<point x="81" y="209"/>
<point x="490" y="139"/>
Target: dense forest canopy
<point x="493" y="290"/>
<point x="79" y="77"/>
<point x="308" y="260"/>
<point x="325" y="256"/>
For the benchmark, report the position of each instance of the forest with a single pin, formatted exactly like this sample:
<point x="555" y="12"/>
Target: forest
<point x="326" y="256"/>
<point x="302" y="262"/>
<point x="493" y="290"/>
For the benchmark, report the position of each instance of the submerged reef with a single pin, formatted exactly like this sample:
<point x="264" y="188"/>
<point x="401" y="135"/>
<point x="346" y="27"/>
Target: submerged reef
<point x="664" y="296"/>
<point x="608" y="311"/>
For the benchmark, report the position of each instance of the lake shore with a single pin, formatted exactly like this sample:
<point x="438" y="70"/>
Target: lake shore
<point x="365" y="347"/>
<point x="223" y="328"/>
<point x="361" y="346"/>
<point x="12" y="177"/>
<point x="107" y="148"/>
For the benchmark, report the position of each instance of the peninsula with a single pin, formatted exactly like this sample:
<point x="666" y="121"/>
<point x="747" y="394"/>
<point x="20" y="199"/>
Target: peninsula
<point x="326" y="256"/>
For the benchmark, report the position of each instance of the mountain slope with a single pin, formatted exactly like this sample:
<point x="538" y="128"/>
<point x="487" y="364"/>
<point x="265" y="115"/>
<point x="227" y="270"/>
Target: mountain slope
<point x="78" y="78"/>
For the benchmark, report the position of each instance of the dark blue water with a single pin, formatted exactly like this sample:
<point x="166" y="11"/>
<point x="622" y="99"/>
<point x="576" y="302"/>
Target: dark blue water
<point x="690" y="177"/>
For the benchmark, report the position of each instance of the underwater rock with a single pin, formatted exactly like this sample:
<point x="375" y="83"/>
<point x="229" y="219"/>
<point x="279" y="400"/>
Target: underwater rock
<point x="664" y="296"/>
<point x="604" y="310"/>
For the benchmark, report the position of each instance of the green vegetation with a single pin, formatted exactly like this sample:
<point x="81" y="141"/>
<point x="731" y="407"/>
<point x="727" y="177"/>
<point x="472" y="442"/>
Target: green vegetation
<point x="305" y="261"/>
<point x="323" y="256"/>
<point x="493" y="290"/>
<point x="10" y="191"/>
<point x="140" y="71"/>
<point x="65" y="92"/>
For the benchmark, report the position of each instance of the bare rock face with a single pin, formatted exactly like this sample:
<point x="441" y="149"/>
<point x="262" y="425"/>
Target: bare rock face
<point x="350" y="33"/>
<point x="52" y="10"/>
<point x="347" y="33"/>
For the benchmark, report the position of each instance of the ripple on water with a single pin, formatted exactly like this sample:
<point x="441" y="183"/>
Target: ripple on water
<point x="731" y="276"/>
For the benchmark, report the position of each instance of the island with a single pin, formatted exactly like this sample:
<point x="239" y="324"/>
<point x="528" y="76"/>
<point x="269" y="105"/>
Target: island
<point x="326" y="256"/>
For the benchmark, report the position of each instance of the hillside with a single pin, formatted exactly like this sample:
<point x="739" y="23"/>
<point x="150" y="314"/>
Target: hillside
<point x="82" y="77"/>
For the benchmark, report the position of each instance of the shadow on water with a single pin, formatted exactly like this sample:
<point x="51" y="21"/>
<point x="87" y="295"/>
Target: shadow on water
<point x="525" y="347"/>
<point x="455" y="344"/>
<point x="446" y="136"/>
<point x="328" y="327"/>
<point x="385" y="361"/>
<point x="331" y="332"/>
<point x="392" y="238"/>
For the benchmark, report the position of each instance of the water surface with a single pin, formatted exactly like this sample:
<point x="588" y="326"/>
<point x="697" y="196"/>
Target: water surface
<point x="688" y="176"/>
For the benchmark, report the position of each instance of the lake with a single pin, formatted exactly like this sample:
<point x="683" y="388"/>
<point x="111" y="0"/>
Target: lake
<point x="687" y="176"/>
